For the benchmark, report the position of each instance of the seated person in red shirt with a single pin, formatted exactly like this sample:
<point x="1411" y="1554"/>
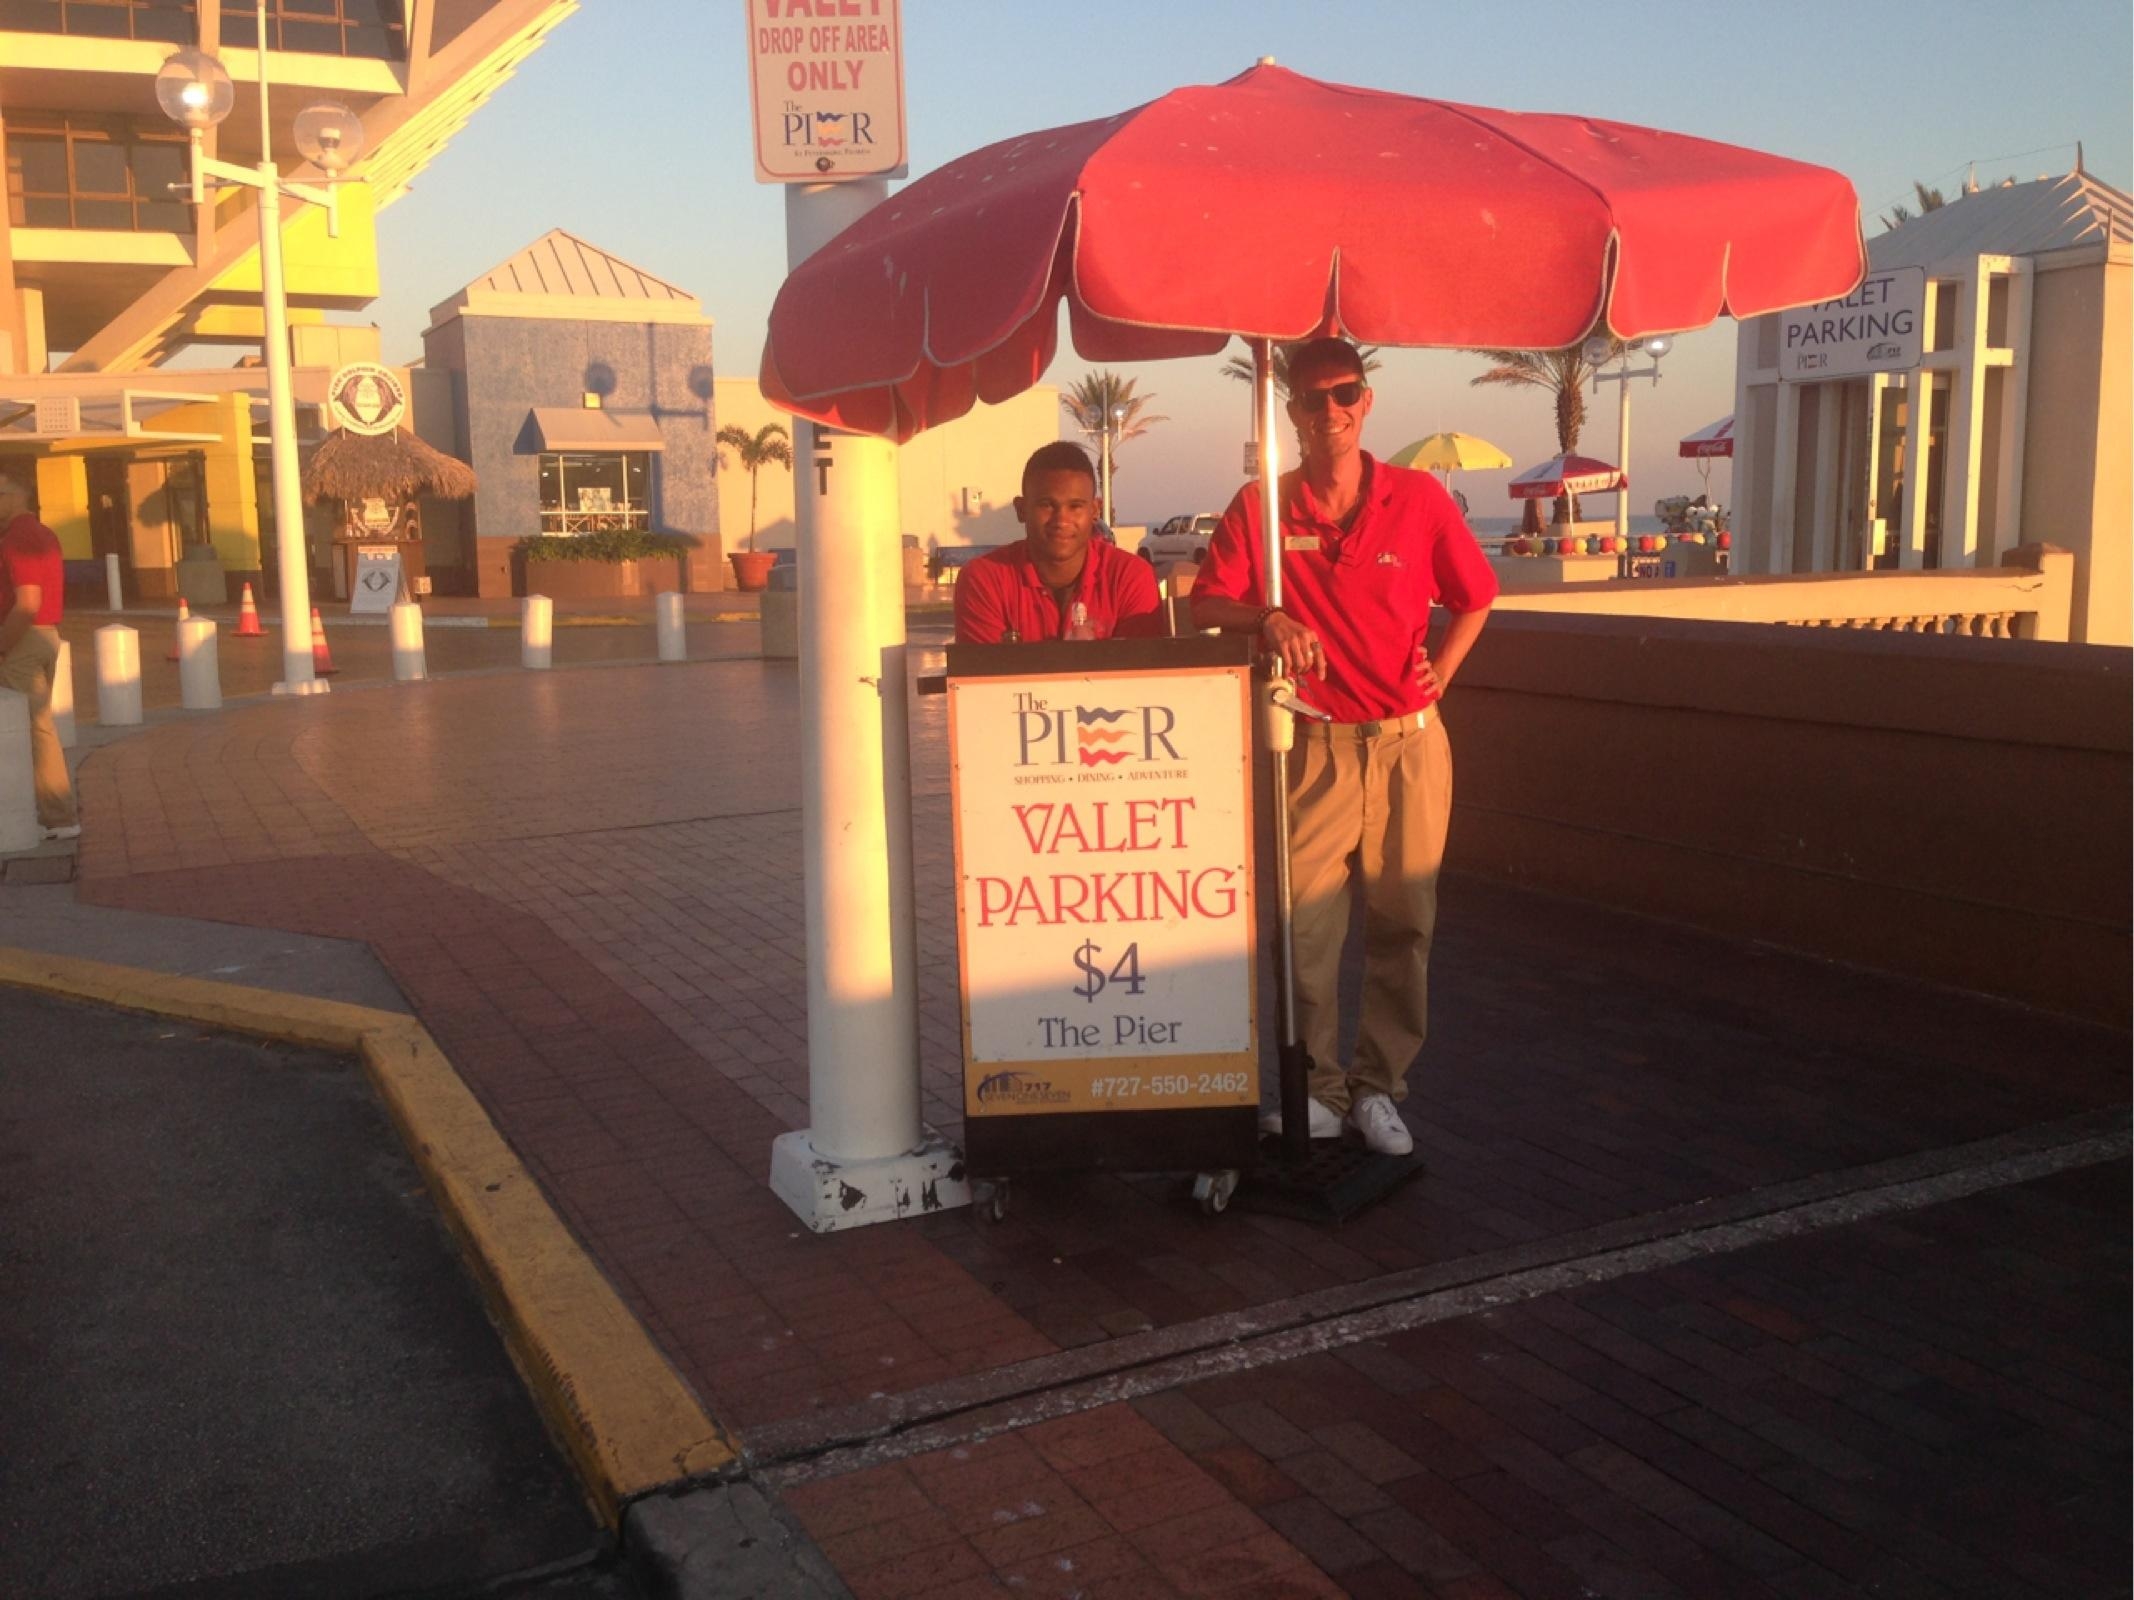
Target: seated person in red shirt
<point x="32" y="594"/>
<point x="1059" y="582"/>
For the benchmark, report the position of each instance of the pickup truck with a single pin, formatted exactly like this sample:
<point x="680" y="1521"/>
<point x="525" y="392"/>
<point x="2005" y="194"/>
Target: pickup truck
<point x="1181" y="539"/>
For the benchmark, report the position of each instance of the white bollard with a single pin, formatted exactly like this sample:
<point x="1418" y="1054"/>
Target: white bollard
<point x="118" y="675"/>
<point x="673" y="629"/>
<point x="111" y="581"/>
<point x="408" y="663"/>
<point x="63" y="696"/>
<point x="537" y="631"/>
<point x="19" y="829"/>
<point x="199" y="665"/>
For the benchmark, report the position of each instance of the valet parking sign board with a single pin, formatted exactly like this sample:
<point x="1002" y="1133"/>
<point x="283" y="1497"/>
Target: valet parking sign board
<point x="826" y="86"/>
<point x="1104" y="900"/>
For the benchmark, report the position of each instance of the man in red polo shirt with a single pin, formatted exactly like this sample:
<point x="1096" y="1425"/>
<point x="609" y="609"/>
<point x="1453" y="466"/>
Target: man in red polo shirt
<point x="32" y="596"/>
<point x="1059" y="582"/>
<point x="1366" y="550"/>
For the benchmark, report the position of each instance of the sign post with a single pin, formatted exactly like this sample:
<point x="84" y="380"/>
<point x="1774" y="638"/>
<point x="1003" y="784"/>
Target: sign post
<point x="827" y="77"/>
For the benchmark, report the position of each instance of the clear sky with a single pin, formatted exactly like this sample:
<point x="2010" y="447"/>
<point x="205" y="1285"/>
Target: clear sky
<point x="630" y="128"/>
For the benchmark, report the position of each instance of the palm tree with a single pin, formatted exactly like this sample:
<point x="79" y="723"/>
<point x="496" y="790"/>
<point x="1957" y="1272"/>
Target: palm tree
<point x="1102" y="403"/>
<point x="1565" y="373"/>
<point x="1929" y="200"/>
<point x="768" y="445"/>
<point x="1240" y="367"/>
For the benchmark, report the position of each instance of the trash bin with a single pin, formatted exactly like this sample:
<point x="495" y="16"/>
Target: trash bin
<point x="781" y="614"/>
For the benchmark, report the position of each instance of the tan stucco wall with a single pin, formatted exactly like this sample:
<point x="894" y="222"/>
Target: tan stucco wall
<point x="982" y="452"/>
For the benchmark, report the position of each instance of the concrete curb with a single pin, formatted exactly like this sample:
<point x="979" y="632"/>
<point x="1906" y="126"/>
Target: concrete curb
<point x="624" y="1415"/>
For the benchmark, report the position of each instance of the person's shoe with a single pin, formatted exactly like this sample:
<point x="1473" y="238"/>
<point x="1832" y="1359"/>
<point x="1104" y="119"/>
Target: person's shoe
<point x="1375" y="1117"/>
<point x="1324" y="1121"/>
<point x="72" y="830"/>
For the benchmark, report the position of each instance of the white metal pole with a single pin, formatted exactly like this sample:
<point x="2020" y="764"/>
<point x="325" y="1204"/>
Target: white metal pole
<point x="199" y="669"/>
<point x="409" y="665"/>
<point x="671" y="627"/>
<point x="865" y="1156"/>
<point x="294" y="558"/>
<point x="1622" y="456"/>
<point x="118" y="675"/>
<point x="537" y="632"/>
<point x="112" y="595"/>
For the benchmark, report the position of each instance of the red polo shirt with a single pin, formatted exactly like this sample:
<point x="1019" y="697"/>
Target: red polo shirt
<point x="29" y="554"/>
<point x="1366" y="591"/>
<point x="1003" y="589"/>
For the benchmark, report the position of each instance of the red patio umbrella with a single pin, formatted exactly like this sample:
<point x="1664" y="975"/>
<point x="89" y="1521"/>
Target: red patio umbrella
<point x="1568" y="474"/>
<point x="1713" y="439"/>
<point x="1276" y="207"/>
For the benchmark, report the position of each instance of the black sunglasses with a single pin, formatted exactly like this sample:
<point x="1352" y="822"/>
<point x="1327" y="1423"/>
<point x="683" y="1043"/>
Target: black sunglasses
<point x="1342" y="394"/>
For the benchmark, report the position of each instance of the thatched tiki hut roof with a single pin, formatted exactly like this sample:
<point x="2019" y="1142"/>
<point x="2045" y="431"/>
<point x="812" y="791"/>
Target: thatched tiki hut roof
<point x="387" y="466"/>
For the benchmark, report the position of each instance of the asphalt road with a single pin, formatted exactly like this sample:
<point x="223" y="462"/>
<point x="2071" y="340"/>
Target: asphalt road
<point x="239" y="1356"/>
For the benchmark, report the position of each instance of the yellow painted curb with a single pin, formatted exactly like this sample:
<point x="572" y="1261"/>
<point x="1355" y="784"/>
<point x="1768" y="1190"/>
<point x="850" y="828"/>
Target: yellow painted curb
<point x="629" y="1422"/>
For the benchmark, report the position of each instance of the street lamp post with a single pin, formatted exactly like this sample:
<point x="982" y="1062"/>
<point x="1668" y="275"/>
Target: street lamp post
<point x="1114" y="423"/>
<point x="195" y="92"/>
<point x="1598" y="351"/>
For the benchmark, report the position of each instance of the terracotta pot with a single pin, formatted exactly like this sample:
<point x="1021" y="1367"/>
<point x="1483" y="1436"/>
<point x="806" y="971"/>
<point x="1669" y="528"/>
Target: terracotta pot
<point x="752" y="569"/>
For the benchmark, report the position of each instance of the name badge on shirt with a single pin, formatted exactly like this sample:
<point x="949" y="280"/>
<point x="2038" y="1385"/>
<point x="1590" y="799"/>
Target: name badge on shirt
<point x="1301" y="541"/>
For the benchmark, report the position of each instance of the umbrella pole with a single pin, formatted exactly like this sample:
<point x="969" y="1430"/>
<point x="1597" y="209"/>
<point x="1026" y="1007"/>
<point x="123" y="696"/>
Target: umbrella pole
<point x="1295" y="1066"/>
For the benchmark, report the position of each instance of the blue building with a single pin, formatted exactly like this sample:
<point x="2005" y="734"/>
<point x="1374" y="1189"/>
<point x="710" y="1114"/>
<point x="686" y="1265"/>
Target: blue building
<point x="580" y="391"/>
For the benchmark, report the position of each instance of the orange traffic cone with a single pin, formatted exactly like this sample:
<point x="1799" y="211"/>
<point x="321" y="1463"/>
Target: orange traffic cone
<point x="248" y="618"/>
<point x="185" y="615"/>
<point x="321" y="658"/>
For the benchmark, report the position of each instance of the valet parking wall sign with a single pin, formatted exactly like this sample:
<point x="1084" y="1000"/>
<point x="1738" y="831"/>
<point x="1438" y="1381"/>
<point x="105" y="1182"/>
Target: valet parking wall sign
<point x="826" y="85"/>
<point x="1104" y="896"/>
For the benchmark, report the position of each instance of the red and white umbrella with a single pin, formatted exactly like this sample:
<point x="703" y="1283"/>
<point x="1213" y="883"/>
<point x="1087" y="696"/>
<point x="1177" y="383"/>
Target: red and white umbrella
<point x="1276" y="206"/>
<point x="1571" y="474"/>
<point x="1713" y="439"/>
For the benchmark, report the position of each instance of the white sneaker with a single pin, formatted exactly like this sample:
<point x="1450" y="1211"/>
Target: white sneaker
<point x="1375" y="1117"/>
<point x="1324" y="1121"/>
<point x="72" y="830"/>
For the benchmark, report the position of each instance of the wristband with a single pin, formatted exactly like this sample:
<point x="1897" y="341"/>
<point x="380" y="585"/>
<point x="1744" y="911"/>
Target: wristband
<point x="1259" y="623"/>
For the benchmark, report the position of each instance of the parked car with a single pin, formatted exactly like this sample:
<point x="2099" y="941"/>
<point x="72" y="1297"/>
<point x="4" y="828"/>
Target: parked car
<point x="1181" y="539"/>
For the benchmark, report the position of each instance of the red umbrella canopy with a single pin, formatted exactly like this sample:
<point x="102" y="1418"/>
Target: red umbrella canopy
<point x="1572" y="474"/>
<point x="1713" y="439"/>
<point x="1278" y="206"/>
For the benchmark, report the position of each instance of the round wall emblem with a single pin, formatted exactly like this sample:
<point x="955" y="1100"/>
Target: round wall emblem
<point x="367" y="398"/>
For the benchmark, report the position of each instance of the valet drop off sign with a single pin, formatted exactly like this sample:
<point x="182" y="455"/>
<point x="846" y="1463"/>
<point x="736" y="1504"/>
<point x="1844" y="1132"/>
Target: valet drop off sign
<point x="1104" y="890"/>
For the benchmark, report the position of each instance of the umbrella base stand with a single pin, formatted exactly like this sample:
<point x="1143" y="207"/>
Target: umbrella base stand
<point x="1333" y="1182"/>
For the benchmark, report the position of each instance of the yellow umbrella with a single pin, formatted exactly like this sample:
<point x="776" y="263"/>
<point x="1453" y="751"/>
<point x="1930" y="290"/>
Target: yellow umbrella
<point x="1450" y="452"/>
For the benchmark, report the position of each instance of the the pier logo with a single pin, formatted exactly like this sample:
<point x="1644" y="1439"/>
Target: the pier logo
<point x="1092" y="736"/>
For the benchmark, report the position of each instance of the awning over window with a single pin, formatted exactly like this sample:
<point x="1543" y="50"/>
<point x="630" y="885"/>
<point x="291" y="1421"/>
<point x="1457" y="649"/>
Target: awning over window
<point x="573" y="428"/>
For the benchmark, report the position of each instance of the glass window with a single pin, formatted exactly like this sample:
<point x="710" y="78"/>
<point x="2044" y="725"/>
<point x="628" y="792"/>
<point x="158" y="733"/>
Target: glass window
<point x="94" y="173"/>
<point x="40" y="159"/>
<point x="367" y="28"/>
<point x="161" y="21"/>
<point x="595" y="492"/>
<point x="99" y="167"/>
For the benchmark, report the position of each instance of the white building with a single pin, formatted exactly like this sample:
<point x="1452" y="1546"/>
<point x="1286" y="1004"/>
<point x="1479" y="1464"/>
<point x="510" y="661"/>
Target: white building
<point x="2026" y="348"/>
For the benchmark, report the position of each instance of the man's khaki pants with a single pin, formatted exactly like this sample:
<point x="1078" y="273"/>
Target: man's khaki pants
<point x="1386" y="799"/>
<point x="28" y="670"/>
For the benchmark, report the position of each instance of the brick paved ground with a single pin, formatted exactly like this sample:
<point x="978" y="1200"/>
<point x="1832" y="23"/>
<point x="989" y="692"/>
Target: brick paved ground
<point x="587" y="883"/>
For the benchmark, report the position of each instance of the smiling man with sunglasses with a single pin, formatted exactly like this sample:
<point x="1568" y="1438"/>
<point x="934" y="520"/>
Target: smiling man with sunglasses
<point x="1367" y="549"/>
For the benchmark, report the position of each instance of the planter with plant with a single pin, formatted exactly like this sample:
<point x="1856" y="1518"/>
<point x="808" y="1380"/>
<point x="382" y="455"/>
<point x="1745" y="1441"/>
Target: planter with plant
<point x="591" y="566"/>
<point x="769" y="445"/>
